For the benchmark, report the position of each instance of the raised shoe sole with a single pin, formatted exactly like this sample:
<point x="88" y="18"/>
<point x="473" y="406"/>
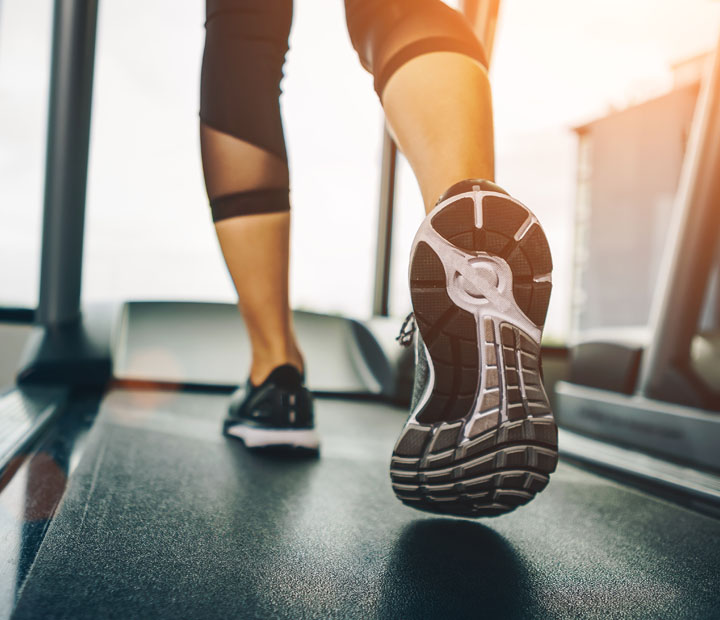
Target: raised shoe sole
<point x="258" y="437"/>
<point x="482" y="439"/>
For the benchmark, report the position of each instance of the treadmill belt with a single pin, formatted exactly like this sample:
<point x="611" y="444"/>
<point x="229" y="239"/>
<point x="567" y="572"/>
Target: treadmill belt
<point x="165" y="518"/>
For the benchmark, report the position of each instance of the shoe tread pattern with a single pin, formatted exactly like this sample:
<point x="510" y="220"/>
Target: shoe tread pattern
<point x="450" y="335"/>
<point x="489" y="464"/>
<point x="448" y="461"/>
<point x="529" y="257"/>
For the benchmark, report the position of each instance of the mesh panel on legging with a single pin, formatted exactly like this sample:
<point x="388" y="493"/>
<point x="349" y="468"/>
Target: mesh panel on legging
<point x="388" y="33"/>
<point x="244" y="155"/>
<point x="242" y="140"/>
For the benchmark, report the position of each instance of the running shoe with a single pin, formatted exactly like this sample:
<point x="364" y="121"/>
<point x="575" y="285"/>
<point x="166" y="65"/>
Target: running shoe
<point x="277" y="413"/>
<point x="481" y="438"/>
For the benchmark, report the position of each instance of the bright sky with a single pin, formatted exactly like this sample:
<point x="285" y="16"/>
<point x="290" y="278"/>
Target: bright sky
<point x="557" y="63"/>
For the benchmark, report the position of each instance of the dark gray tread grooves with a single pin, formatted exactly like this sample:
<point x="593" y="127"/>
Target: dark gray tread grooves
<point x="448" y="460"/>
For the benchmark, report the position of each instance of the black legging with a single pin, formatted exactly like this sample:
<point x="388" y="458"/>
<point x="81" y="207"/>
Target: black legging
<point x="245" y="46"/>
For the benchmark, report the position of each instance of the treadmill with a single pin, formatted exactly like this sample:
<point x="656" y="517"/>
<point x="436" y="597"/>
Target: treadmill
<point x="120" y="498"/>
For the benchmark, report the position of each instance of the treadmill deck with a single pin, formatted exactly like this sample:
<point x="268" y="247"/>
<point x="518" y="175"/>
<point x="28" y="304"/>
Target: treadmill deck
<point x="165" y="518"/>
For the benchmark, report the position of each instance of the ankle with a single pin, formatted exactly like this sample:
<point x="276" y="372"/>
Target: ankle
<point x="263" y="365"/>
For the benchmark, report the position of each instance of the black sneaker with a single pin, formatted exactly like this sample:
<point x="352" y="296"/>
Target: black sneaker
<point x="276" y="413"/>
<point x="481" y="438"/>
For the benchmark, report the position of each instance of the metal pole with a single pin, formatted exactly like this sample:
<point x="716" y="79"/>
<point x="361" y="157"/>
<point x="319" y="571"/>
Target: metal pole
<point x="692" y="239"/>
<point x="68" y="136"/>
<point x="483" y="15"/>
<point x="381" y="298"/>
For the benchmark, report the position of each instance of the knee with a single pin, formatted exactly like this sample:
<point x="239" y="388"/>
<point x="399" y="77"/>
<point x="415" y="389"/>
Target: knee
<point x="388" y="33"/>
<point x="245" y="46"/>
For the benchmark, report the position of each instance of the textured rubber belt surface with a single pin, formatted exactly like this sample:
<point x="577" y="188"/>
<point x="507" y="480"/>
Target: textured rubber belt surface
<point x="164" y="518"/>
<point x="483" y="441"/>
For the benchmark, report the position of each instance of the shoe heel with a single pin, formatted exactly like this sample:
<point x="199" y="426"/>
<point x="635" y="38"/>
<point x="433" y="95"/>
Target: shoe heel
<point x="484" y="439"/>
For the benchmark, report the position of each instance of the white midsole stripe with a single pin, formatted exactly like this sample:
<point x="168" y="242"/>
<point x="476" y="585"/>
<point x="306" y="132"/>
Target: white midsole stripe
<point x="255" y="437"/>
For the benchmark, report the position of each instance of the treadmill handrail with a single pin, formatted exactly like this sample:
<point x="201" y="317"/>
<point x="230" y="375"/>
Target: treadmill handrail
<point x="682" y="275"/>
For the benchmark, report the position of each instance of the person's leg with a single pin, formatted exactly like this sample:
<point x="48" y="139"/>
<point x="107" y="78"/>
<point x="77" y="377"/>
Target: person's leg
<point x="431" y="77"/>
<point x="247" y="180"/>
<point x="480" y="439"/>
<point x="461" y="146"/>
<point x="245" y="166"/>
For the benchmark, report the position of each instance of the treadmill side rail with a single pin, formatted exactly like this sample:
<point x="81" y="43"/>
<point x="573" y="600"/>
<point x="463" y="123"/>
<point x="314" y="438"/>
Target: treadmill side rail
<point x="684" y="434"/>
<point x="23" y="414"/>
